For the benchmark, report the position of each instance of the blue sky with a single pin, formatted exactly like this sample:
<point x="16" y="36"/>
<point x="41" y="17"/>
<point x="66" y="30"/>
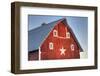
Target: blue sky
<point x="79" y="25"/>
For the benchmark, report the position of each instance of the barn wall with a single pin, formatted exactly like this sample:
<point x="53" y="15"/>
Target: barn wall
<point x="59" y="42"/>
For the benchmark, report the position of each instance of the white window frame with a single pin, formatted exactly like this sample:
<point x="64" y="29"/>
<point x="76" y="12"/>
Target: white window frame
<point x="72" y="47"/>
<point x="51" y="46"/>
<point x="67" y="34"/>
<point x="55" y="33"/>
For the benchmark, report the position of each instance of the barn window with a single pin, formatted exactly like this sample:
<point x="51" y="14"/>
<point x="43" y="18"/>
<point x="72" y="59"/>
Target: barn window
<point x="67" y="35"/>
<point x="51" y="46"/>
<point x="72" y="47"/>
<point x="55" y="33"/>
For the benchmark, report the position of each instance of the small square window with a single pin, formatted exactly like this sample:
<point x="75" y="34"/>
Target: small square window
<point x="72" y="47"/>
<point x="67" y="35"/>
<point x="55" y="33"/>
<point x="51" y="46"/>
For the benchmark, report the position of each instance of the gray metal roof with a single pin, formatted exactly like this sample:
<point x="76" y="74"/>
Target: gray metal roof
<point x="37" y="35"/>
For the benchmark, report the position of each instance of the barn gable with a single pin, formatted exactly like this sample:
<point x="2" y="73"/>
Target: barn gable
<point x="37" y="36"/>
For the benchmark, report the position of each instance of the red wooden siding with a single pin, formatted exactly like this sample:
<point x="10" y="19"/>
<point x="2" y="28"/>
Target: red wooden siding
<point x="58" y="43"/>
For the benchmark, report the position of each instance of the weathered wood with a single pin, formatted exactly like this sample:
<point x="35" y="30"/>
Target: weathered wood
<point x="58" y="43"/>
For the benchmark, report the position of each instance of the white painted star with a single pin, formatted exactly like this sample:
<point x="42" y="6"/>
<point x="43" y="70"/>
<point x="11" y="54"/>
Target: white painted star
<point x="62" y="51"/>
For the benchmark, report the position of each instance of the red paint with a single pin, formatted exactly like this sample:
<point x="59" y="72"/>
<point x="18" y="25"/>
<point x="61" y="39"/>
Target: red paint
<point x="47" y="54"/>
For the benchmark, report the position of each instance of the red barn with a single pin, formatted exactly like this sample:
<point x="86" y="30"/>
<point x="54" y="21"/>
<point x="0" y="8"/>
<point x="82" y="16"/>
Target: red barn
<point x="54" y="40"/>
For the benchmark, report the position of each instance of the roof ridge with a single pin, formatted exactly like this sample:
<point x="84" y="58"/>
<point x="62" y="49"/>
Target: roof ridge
<point x="47" y="24"/>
